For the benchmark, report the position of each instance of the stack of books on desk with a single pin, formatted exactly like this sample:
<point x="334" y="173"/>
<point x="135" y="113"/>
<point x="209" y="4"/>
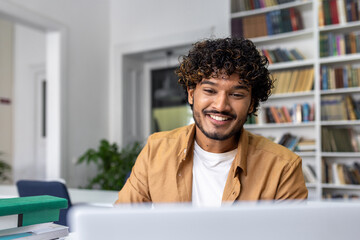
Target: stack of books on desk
<point x="32" y="218"/>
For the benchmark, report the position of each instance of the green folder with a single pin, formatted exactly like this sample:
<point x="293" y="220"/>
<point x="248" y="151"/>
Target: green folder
<point x="33" y="210"/>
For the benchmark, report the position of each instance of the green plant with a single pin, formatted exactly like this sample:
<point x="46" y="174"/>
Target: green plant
<point x="113" y="165"/>
<point x="4" y="170"/>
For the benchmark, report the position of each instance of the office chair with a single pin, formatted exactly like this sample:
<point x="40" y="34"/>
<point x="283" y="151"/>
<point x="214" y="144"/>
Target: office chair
<point x="53" y="188"/>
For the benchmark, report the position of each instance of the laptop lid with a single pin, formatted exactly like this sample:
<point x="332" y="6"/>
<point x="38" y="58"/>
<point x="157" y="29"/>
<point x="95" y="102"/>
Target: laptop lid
<point x="296" y="221"/>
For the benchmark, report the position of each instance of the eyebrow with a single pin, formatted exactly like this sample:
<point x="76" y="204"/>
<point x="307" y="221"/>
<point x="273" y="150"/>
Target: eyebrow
<point x="238" y="87"/>
<point x="207" y="82"/>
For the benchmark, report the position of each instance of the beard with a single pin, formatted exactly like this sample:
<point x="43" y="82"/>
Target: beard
<point x="236" y="131"/>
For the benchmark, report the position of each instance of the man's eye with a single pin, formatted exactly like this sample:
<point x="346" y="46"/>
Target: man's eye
<point x="238" y="95"/>
<point x="209" y="90"/>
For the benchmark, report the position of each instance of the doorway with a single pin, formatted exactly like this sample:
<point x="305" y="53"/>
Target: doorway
<point x="53" y="70"/>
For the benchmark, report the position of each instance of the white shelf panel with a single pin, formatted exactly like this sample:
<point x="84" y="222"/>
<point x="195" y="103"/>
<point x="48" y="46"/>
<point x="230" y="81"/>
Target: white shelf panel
<point x="340" y="59"/>
<point x="340" y="90"/>
<point x="339" y="26"/>
<point x="278" y="125"/>
<point x="282" y="36"/>
<point x="291" y="64"/>
<point x="269" y="9"/>
<point x="341" y="154"/>
<point x="340" y="123"/>
<point x="292" y="95"/>
<point x="340" y="186"/>
<point x="306" y="154"/>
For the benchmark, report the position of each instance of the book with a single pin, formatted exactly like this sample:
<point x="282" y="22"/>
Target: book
<point x="309" y="80"/>
<point x="320" y="13"/>
<point x="237" y="27"/>
<point x="24" y="211"/>
<point x="306" y="145"/>
<point x="24" y="229"/>
<point x="52" y="231"/>
<point x="294" y="79"/>
<point x="292" y="142"/>
<point x="326" y="12"/>
<point x="309" y="175"/>
<point x="334" y="12"/>
<point x="274" y="114"/>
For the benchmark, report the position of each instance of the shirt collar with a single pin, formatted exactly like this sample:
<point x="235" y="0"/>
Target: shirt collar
<point x="241" y="156"/>
<point x="240" y="160"/>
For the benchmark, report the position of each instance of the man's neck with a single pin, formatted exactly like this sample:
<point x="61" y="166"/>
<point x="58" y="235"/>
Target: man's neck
<point x="216" y="146"/>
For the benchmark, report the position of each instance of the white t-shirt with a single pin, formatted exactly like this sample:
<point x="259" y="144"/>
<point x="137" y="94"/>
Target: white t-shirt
<point x="210" y="171"/>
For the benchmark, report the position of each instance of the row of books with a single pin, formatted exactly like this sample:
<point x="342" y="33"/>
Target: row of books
<point x="271" y="23"/>
<point x="295" y="80"/>
<point x="332" y="44"/>
<point x="340" y="173"/>
<point x="32" y="218"/>
<point x="296" y="114"/>
<point x="339" y="77"/>
<point x="338" y="11"/>
<point x="339" y="107"/>
<point x="295" y="143"/>
<point x="309" y="173"/>
<point x="287" y="140"/>
<point x="344" y="139"/>
<point x="340" y="196"/>
<point x="246" y="5"/>
<point x="282" y="55"/>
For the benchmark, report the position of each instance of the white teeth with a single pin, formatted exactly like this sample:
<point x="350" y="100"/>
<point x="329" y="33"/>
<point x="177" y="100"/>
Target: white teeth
<point x="218" y="118"/>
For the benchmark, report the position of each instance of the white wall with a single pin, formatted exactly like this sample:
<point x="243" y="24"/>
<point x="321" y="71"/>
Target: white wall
<point x="29" y="56"/>
<point x="86" y="104"/>
<point x="6" y="90"/>
<point x="139" y="20"/>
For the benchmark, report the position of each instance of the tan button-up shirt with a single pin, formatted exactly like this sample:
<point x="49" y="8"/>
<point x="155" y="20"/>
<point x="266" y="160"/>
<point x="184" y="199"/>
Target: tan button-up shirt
<point x="261" y="170"/>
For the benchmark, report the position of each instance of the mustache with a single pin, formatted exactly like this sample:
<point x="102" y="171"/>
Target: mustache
<point x="228" y="114"/>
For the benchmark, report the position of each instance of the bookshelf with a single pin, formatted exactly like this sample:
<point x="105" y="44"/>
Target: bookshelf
<point x="339" y="32"/>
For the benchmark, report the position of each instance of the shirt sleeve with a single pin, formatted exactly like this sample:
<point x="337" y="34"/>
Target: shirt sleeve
<point x="136" y="189"/>
<point x="292" y="183"/>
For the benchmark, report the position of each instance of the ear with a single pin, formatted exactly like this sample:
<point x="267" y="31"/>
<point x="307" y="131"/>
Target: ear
<point x="190" y="95"/>
<point x="251" y="108"/>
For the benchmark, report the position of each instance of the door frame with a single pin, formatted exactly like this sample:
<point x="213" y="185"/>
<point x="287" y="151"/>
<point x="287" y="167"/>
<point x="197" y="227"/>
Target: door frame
<point x="142" y="51"/>
<point x="55" y="75"/>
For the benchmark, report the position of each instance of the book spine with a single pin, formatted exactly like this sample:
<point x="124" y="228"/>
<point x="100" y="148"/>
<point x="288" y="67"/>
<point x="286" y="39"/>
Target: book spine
<point x="327" y="12"/>
<point x="341" y="11"/>
<point x="321" y="14"/>
<point x="334" y="12"/>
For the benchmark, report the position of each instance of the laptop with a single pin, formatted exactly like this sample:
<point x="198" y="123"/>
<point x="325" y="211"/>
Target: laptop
<point x="288" y="220"/>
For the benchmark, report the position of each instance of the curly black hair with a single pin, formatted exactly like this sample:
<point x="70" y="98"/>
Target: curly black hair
<point x="213" y="57"/>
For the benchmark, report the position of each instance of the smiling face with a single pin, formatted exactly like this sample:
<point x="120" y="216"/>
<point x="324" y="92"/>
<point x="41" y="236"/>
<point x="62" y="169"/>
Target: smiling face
<point x="220" y="108"/>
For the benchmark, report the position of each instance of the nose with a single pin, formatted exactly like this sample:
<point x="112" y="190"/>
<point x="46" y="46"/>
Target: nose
<point x="221" y="102"/>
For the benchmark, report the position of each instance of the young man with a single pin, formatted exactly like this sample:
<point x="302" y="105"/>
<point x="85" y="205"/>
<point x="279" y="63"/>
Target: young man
<point x="215" y="160"/>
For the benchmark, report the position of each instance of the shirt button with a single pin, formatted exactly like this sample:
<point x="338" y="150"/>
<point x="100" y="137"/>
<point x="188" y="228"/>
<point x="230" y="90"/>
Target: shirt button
<point x="179" y="175"/>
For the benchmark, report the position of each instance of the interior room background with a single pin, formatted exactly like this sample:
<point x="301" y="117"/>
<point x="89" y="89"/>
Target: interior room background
<point x="106" y="44"/>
